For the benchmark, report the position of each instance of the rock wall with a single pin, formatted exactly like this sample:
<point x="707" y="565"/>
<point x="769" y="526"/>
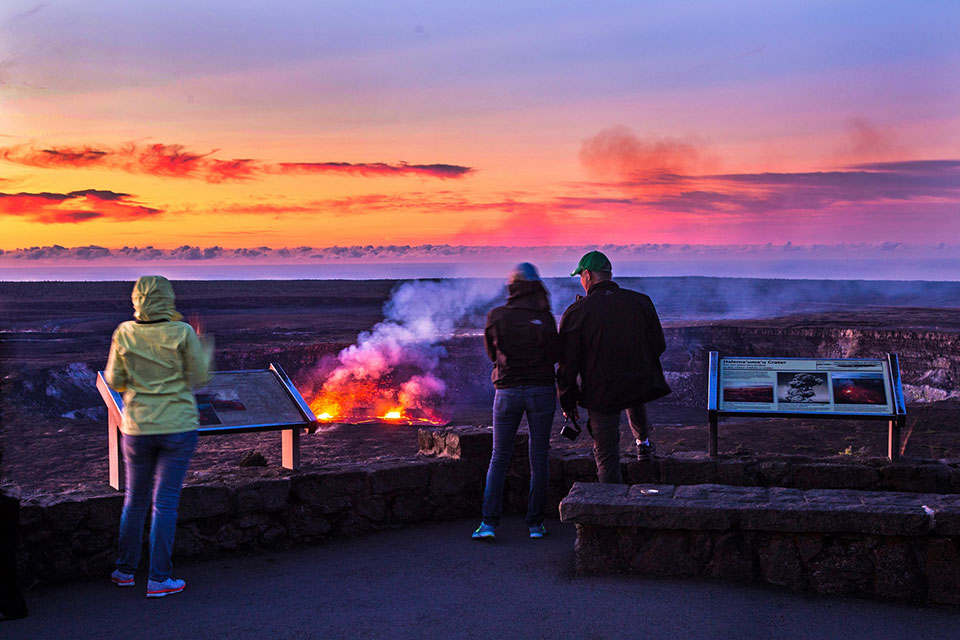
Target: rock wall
<point x="69" y="536"/>
<point x="896" y="546"/>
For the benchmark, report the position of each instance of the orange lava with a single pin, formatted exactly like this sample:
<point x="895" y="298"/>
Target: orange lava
<point x="368" y="402"/>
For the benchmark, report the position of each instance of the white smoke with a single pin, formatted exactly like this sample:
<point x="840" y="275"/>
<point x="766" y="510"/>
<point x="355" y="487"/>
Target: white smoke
<point x="398" y="360"/>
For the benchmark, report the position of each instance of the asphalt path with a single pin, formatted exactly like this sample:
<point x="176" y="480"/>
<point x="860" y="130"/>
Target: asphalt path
<point x="433" y="581"/>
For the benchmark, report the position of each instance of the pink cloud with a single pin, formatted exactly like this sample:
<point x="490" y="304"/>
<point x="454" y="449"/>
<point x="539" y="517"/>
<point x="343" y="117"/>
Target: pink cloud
<point x="174" y="161"/>
<point x="73" y="207"/>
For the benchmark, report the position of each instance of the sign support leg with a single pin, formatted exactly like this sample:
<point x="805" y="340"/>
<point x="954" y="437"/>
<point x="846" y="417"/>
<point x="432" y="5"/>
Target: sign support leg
<point x="713" y="434"/>
<point x="290" y="448"/>
<point x="115" y="453"/>
<point x="893" y="440"/>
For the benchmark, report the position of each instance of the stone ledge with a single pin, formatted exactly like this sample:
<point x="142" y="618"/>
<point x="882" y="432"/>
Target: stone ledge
<point x="711" y="506"/>
<point x="791" y="471"/>
<point x="889" y="545"/>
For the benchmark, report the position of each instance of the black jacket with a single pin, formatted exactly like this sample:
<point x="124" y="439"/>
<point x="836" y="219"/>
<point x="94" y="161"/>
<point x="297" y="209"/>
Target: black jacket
<point x="612" y="340"/>
<point x="521" y="338"/>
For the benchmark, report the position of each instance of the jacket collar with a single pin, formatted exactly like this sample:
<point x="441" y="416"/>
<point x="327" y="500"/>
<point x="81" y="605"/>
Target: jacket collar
<point x="606" y="285"/>
<point x="527" y="294"/>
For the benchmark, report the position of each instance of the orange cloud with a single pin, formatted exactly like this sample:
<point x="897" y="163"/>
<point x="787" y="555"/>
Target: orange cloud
<point x="73" y="207"/>
<point x="173" y="161"/>
<point x="376" y="169"/>
<point x="620" y="154"/>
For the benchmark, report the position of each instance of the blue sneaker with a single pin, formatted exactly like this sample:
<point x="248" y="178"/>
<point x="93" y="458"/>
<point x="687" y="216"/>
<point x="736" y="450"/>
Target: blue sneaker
<point x="537" y="531"/>
<point x="484" y="532"/>
<point x="122" y="579"/>
<point x="168" y="587"/>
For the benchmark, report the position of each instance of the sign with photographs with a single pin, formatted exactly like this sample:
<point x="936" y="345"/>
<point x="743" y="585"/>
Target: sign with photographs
<point x="246" y="399"/>
<point x="802" y="385"/>
<point x="232" y="402"/>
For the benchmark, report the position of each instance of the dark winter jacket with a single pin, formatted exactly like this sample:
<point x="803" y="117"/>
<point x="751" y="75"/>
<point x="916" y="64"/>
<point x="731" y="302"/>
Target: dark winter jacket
<point x="612" y="339"/>
<point x="521" y="338"/>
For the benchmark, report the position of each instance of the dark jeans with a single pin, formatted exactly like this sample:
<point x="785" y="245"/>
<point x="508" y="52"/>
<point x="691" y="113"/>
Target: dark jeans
<point x="606" y="439"/>
<point x="155" y="465"/>
<point x="509" y="405"/>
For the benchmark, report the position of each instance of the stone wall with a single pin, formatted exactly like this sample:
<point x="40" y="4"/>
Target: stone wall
<point x="240" y="510"/>
<point x="801" y="472"/>
<point x="64" y="537"/>
<point x="891" y="545"/>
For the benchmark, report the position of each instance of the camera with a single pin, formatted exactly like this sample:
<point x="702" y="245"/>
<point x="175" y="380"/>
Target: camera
<point x="570" y="431"/>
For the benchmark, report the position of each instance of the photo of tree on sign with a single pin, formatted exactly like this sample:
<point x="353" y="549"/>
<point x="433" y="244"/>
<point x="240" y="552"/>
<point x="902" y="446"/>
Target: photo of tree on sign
<point x="802" y="387"/>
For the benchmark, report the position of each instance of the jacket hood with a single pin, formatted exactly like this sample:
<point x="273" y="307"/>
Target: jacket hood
<point x="528" y="294"/>
<point x="153" y="300"/>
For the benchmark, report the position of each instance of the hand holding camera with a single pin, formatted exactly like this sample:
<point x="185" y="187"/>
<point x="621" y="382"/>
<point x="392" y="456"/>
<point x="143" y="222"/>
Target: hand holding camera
<point x="570" y="431"/>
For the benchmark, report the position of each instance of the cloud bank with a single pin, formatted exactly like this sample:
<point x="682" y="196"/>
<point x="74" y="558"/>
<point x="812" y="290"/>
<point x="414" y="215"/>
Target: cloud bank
<point x="174" y="161"/>
<point x="885" y="261"/>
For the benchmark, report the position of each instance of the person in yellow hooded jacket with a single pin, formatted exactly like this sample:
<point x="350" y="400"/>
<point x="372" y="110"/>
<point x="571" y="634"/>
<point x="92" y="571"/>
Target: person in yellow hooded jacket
<point x="155" y="361"/>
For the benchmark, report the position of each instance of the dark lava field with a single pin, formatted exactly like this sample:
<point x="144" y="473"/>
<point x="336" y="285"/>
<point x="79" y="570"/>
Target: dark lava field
<point x="54" y="337"/>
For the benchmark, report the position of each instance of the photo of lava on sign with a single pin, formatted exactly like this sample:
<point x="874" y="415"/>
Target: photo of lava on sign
<point x="748" y="394"/>
<point x="859" y="390"/>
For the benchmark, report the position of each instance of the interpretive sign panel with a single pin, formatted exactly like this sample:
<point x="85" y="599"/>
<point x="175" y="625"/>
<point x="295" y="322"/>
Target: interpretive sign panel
<point x="805" y="385"/>
<point x="852" y="388"/>
<point x="233" y="402"/>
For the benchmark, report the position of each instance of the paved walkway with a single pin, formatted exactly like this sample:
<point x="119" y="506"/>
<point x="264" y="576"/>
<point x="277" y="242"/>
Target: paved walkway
<point x="433" y="581"/>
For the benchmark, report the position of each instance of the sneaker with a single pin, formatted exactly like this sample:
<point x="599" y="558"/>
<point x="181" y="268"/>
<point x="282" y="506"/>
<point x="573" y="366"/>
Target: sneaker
<point x="122" y="579"/>
<point x="165" y="588"/>
<point x="537" y="531"/>
<point x="645" y="451"/>
<point x="484" y="532"/>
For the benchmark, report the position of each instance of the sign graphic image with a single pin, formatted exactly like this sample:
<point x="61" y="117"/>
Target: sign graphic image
<point x="803" y="387"/>
<point x="859" y="388"/>
<point x="748" y="392"/>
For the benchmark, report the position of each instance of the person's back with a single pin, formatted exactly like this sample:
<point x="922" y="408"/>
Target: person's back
<point x="155" y="360"/>
<point x="161" y="363"/>
<point x="610" y="346"/>
<point x="521" y="341"/>
<point x="521" y="338"/>
<point x="619" y="342"/>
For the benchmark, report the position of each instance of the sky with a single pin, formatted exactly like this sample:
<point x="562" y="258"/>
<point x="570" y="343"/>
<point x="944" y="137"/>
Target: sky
<point x="238" y="125"/>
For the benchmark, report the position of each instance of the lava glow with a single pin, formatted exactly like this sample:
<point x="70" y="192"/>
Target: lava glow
<point x="355" y="401"/>
<point x="394" y="373"/>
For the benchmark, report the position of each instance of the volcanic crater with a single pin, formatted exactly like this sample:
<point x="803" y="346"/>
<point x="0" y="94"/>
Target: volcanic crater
<point x="55" y="337"/>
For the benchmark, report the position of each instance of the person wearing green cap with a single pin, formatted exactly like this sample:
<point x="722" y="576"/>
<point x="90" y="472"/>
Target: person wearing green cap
<point x="610" y="346"/>
<point x="155" y="360"/>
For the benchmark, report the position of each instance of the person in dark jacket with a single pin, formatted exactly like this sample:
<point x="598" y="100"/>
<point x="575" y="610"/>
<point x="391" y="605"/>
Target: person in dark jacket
<point x="611" y="339"/>
<point x="521" y="340"/>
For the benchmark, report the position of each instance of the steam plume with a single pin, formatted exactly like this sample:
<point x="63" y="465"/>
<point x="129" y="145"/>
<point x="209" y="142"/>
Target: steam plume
<point x="398" y="362"/>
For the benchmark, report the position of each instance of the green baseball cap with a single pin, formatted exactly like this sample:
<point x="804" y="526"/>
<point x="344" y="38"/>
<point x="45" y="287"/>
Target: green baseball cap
<point x="593" y="261"/>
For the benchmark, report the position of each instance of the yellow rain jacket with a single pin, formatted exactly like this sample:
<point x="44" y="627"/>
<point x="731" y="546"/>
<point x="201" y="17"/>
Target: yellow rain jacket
<point x="156" y="361"/>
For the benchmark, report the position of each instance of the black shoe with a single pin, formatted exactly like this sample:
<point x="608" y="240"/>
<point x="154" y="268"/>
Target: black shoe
<point x="645" y="451"/>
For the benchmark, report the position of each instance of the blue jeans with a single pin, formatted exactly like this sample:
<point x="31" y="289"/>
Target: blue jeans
<point x="509" y="405"/>
<point x="154" y="464"/>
